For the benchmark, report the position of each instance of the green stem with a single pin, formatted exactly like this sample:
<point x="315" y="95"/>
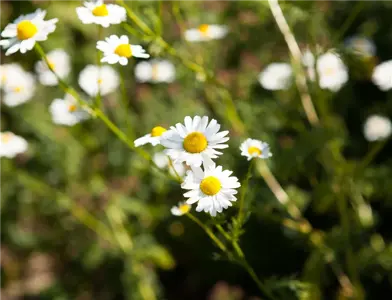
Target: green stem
<point x="171" y="165"/>
<point x="244" y="189"/>
<point x="124" y="102"/>
<point x="376" y="148"/>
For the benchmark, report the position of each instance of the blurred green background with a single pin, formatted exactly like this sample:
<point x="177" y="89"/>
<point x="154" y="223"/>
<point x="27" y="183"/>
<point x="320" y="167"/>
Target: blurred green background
<point x="47" y="253"/>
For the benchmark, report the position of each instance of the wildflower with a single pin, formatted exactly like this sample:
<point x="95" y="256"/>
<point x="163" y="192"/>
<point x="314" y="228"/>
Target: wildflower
<point x="163" y="162"/>
<point x="60" y="63"/>
<point x="377" y="128"/>
<point x="251" y="148"/>
<point x="67" y="111"/>
<point x="103" y="79"/>
<point x="155" y="71"/>
<point x="361" y="46"/>
<point x="19" y="86"/>
<point x="276" y="76"/>
<point x="194" y="142"/>
<point x="9" y="71"/>
<point x="332" y="72"/>
<point x="181" y="209"/>
<point x="96" y="12"/>
<point x="118" y="49"/>
<point x="154" y="137"/>
<point x="212" y="188"/>
<point x="11" y="144"/>
<point x="206" y="32"/>
<point x="25" y="31"/>
<point x="382" y="75"/>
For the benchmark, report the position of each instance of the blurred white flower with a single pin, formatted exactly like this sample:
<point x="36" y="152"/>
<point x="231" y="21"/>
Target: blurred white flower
<point x="117" y="50"/>
<point x="11" y="144"/>
<point x="163" y="162"/>
<point x="59" y="61"/>
<point x="96" y="12"/>
<point x="332" y="72"/>
<point x="18" y="87"/>
<point x="377" y="128"/>
<point x="67" y="111"/>
<point x="206" y="32"/>
<point x="251" y="148"/>
<point x="103" y="79"/>
<point x="155" y="71"/>
<point x="181" y="209"/>
<point x="8" y="71"/>
<point x="382" y="75"/>
<point x="361" y="46"/>
<point x="25" y="31"/>
<point x="309" y="61"/>
<point x="276" y="76"/>
<point x="154" y="137"/>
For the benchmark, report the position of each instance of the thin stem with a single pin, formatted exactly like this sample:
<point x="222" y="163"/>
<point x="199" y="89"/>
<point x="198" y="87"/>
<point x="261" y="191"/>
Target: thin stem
<point x="116" y="220"/>
<point x="171" y="165"/>
<point x="244" y="189"/>
<point x="375" y="149"/>
<point x="98" y="99"/>
<point x="124" y="102"/>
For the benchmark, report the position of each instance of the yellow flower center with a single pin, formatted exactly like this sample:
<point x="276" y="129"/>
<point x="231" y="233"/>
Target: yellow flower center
<point x="157" y="131"/>
<point x="195" y="142"/>
<point x="329" y="71"/>
<point x="18" y="89"/>
<point x="72" y="108"/>
<point x="3" y="78"/>
<point x="51" y="65"/>
<point x="99" y="81"/>
<point x="26" y="30"/>
<point x="184" y="208"/>
<point x="210" y="185"/>
<point x="100" y="11"/>
<point x="123" y="50"/>
<point x="154" y="71"/>
<point x="254" y="150"/>
<point x="6" y="137"/>
<point x="204" y="28"/>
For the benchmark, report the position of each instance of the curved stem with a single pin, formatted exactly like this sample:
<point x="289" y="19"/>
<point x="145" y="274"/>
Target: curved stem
<point x="244" y="189"/>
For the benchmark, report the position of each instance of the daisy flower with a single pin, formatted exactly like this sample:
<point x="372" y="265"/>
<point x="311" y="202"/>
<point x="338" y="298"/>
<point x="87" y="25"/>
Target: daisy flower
<point x="206" y="32"/>
<point x="154" y="137"/>
<point x="377" y="128"/>
<point x="194" y="142"/>
<point x="181" y="209"/>
<point x="11" y="144"/>
<point x="332" y="72"/>
<point x="66" y="111"/>
<point x="212" y="188"/>
<point x="9" y="71"/>
<point x="155" y="71"/>
<point x="103" y="79"/>
<point x="18" y="87"/>
<point x="163" y="162"/>
<point x="25" y="31"/>
<point x="96" y="12"/>
<point x="276" y="76"/>
<point x="59" y="61"/>
<point x="118" y="49"/>
<point x="361" y="46"/>
<point x="382" y="76"/>
<point x="251" y="148"/>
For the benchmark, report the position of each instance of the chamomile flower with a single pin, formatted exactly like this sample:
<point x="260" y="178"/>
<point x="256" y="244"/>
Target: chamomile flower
<point x="361" y="46"/>
<point x="25" y="31"/>
<point x="212" y="188"/>
<point x="206" y="32"/>
<point x="181" y="209"/>
<point x="67" y="111"/>
<point x="118" y="50"/>
<point x="155" y="71"/>
<point x="276" y="76"/>
<point x="194" y="142"/>
<point x="9" y="72"/>
<point x="377" y="128"/>
<point x="154" y="137"/>
<point x="251" y="148"/>
<point x="382" y="75"/>
<point x="59" y="61"/>
<point x="19" y="87"/>
<point x="332" y="71"/>
<point x="11" y="144"/>
<point x="163" y="162"/>
<point x="103" y="79"/>
<point x="97" y="12"/>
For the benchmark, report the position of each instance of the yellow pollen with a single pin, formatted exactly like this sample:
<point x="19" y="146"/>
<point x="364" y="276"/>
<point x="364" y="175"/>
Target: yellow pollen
<point x="210" y="185"/>
<point x="99" y="81"/>
<point x="204" y="28"/>
<point x="6" y="137"/>
<point x="254" y="150"/>
<point x="18" y="89"/>
<point x="329" y="71"/>
<point x="100" y="11"/>
<point x="184" y="208"/>
<point x="72" y="108"/>
<point x="123" y="50"/>
<point x="51" y="65"/>
<point x="195" y="142"/>
<point x="157" y="131"/>
<point x="26" y="30"/>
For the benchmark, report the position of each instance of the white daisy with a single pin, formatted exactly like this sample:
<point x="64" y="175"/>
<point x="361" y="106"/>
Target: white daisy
<point x="382" y="75"/>
<point x="66" y="111"/>
<point x="377" y="128"/>
<point x="155" y="71"/>
<point x="276" y="76"/>
<point x="118" y="49"/>
<point x="181" y="209"/>
<point x="332" y="71"/>
<point x="206" y="32"/>
<point x="212" y="188"/>
<point x="25" y="31"/>
<point x="19" y="87"/>
<point x="59" y="61"/>
<point x="96" y="12"/>
<point x="361" y="46"/>
<point x="11" y="144"/>
<point x="251" y="148"/>
<point x="154" y="137"/>
<point x="9" y="71"/>
<point x="195" y="142"/>
<point x="93" y="78"/>
<point x="163" y="162"/>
